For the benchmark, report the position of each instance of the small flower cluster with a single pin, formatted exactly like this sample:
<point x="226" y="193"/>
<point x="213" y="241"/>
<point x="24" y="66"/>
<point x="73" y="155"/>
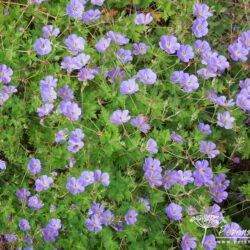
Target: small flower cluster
<point x="87" y="178"/>
<point x="240" y="49"/>
<point x="199" y="28"/>
<point x="75" y="142"/>
<point x="5" y="78"/>
<point x="98" y="217"/>
<point x="43" y="45"/>
<point x="120" y="117"/>
<point x="51" y="231"/>
<point x="243" y="98"/>
<point x="76" y="10"/>
<point x="201" y="176"/>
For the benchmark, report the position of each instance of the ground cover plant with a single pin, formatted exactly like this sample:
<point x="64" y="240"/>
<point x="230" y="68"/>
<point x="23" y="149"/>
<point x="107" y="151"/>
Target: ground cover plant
<point x="124" y="124"/>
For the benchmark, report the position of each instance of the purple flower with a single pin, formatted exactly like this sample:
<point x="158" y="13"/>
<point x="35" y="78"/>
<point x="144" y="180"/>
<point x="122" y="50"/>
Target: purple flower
<point x="220" y="182"/>
<point x="103" y="44"/>
<point x="10" y="238"/>
<point x="48" y="94"/>
<point x="169" y="44"/>
<point x="68" y="63"/>
<point x="140" y="123"/>
<point x="225" y="120"/>
<point x="215" y="215"/>
<point x="72" y="162"/>
<point x="211" y="95"/>
<point x="86" y="74"/>
<point x="75" y="146"/>
<point x="75" y="9"/>
<point x="147" y="76"/>
<point x="176" y="138"/>
<point x="35" y="203"/>
<point x="151" y="146"/>
<point x="222" y="101"/>
<point x="2" y="165"/>
<point x="140" y="49"/>
<point x="97" y="2"/>
<point x="71" y="110"/>
<point x="117" y="38"/>
<point x="101" y="177"/>
<point x="173" y="211"/>
<point x="115" y="74"/>
<point x="9" y="89"/>
<point x="120" y="117"/>
<point x="74" y="186"/>
<point x="189" y="82"/>
<point x="66" y="93"/>
<point x="91" y="16"/>
<point x="49" y="82"/>
<point x="22" y="194"/>
<point x="245" y="83"/>
<point x="185" y="53"/>
<point x="106" y="217"/>
<point x="87" y="178"/>
<point x="206" y="73"/>
<point x="24" y="225"/>
<point x="45" y="110"/>
<point x="202" y="47"/>
<point x="184" y="177"/>
<point x="124" y="55"/>
<point x="118" y="226"/>
<point x="154" y="178"/>
<point x="75" y="43"/>
<point x="55" y="224"/>
<point x="245" y="39"/>
<point x="219" y="63"/>
<point x="218" y="195"/>
<point x="238" y="52"/>
<point x="201" y="10"/>
<point x="152" y="164"/>
<point x="146" y="203"/>
<point x="209" y="148"/>
<point x="204" y="128"/>
<point x="28" y="240"/>
<point x="243" y="102"/>
<point x="97" y="208"/>
<point x="188" y="242"/>
<point x="43" y="183"/>
<point x="94" y="223"/>
<point x="49" y="234"/>
<point x="142" y="19"/>
<point x="169" y="179"/>
<point x="34" y="166"/>
<point x="199" y="27"/>
<point x="76" y="135"/>
<point x="131" y="217"/>
<point x="177" y="77"/>
<point x="3" y="98"/>
<point x="129" y="87"/>
<point x="236" y="159"/>
<point x="233" y="231"/>
<point x="42" y="46"/>
<point x="5" y="74"/>
<point x="209" y="242"/>
<point x="61" y="135"/>
<point x="203" y="174"/>
<point x="80" y="60"/>
<point x="49" y="31"/>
